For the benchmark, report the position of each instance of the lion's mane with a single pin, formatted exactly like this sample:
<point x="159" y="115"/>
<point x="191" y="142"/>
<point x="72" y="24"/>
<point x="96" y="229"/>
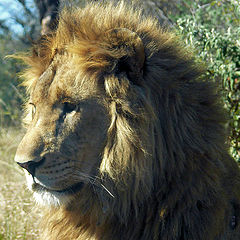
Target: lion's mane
<point x="166" y="170"/>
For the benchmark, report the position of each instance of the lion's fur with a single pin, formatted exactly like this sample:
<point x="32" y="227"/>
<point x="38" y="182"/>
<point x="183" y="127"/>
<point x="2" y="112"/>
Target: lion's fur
<point x="165" y="160"/>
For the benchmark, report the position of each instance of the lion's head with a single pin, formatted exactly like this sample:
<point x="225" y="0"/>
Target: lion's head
<point x="121" y="126"/>
<point x="67" y="129"/>
<point x="88" y="112"/>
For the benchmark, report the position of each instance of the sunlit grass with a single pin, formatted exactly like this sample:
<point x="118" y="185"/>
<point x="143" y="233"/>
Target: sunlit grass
<point x="18" y="214"/>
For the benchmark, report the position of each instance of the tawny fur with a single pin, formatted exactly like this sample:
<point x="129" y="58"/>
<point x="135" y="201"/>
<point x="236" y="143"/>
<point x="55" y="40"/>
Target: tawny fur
<point x="165" y="160"/>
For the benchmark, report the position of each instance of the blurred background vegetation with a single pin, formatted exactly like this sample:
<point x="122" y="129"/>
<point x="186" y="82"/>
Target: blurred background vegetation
<point x="210" y="28"/>
<point x="213" y="29"/>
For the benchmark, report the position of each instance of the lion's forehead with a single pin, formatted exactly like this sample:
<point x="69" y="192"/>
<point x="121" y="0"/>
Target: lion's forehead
<point x="61" y="81"/>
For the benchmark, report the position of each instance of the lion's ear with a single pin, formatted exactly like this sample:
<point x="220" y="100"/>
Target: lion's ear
<point x="130" y="52"/>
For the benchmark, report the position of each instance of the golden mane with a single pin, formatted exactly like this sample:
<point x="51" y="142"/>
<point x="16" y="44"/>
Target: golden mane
<point x="165" y="156"/>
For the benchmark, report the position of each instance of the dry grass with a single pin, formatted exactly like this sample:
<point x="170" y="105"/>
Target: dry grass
<point x="18" y="216"/>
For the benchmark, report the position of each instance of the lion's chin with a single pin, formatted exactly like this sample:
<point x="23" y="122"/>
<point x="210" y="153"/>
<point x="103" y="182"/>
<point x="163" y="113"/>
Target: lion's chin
<point x="51" y="198"/>
<point x="45" y="196"/>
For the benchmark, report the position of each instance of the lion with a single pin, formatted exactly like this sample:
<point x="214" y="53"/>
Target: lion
<point x="126" y="137"/>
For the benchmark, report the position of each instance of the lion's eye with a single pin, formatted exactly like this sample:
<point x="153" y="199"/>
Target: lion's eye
<point x="33" y="108"/>
<point x="69" y="107"/>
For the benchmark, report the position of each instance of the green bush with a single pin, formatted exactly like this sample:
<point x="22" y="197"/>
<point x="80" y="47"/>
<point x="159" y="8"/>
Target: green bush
<point x="218" y="45"/>
<point x="11" y="96"/>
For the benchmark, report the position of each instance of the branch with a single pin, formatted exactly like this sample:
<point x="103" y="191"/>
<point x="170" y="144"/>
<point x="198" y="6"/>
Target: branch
<point x="26" y="9"/>
<point x="3" y="26"/>
<point x="19" y="21"/>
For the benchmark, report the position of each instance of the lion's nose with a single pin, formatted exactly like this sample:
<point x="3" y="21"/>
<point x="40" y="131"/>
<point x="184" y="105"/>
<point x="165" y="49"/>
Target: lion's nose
<point x="31" y="166"/>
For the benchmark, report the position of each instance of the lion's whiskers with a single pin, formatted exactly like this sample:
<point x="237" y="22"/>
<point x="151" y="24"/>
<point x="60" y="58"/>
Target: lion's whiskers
<point x="95" y="181"/>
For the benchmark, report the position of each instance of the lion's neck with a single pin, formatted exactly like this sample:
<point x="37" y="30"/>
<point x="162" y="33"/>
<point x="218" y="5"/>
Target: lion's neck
<point x="64" y="224"/>
<point x="81" y="220"/>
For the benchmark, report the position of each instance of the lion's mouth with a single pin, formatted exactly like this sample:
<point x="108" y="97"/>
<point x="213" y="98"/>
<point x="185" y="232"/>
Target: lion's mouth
<point x="36" y="187"/>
